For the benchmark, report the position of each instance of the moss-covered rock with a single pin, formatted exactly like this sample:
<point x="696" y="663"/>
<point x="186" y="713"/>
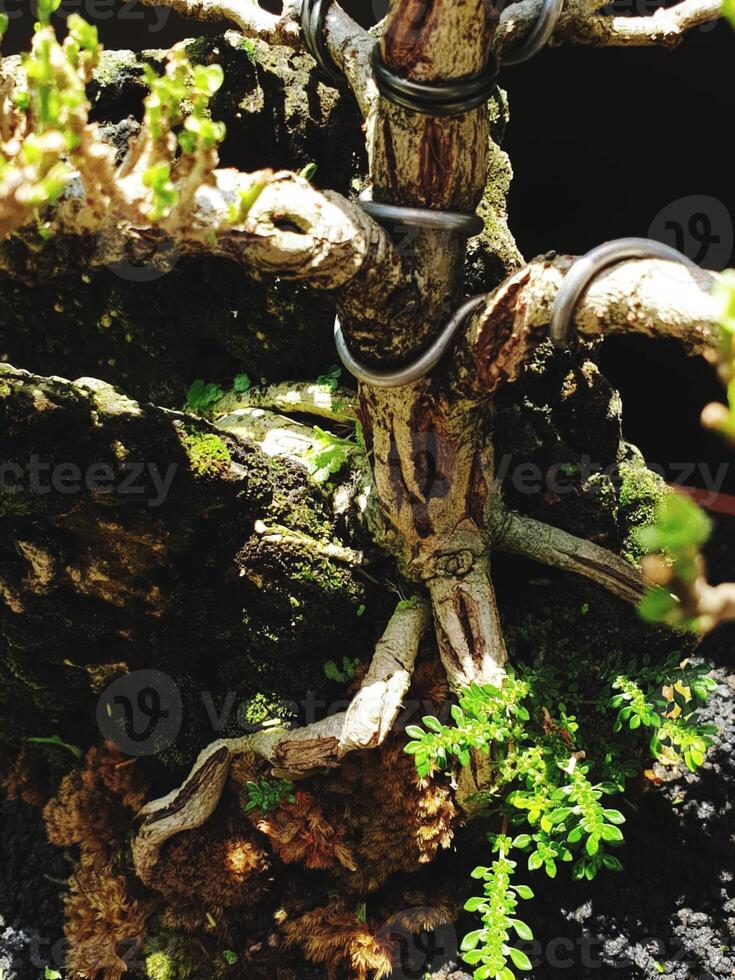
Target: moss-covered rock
<point x="136" y="546"/>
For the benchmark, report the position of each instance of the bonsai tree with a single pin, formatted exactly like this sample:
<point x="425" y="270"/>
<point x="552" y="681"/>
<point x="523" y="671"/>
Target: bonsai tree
<point x="422" y="499"/>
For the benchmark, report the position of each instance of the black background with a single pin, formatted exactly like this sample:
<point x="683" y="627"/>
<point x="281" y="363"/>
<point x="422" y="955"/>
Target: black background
<point x="601" y="141"/>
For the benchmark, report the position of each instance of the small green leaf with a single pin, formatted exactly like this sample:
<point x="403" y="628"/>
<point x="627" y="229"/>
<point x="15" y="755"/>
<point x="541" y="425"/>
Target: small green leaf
<point x="613" y="816"/>
<point x="611" y="833"/>
<point x="471" y="940"/>
<point x="473" y="904"/>
<point x="230" y="956"/>
<point x="520" y="960"/>
<point x="523" y="891"/>
<point x="57" y="741"/>
<point x="523" y="931"/>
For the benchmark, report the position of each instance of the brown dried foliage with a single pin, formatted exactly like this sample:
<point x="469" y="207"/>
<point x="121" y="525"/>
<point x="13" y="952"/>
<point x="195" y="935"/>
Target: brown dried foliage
<point x="106" y="908"/>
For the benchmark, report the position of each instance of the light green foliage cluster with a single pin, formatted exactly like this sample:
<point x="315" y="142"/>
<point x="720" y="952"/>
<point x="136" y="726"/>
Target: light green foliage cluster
<point x="202" y="395"/>
<point x="670" y="712"/>
<point x="333" y="672"/>
<point x="158" y="966"/>
<point x="488" y="949"/>
<point x="549" y="786"/>
<point x="329" y="455"/>
<point x="208" y="455"/>
<point x="177" y="113"/>
<point x="55" y="105"/>
<point x="330" y="380"/>
<point x="679" y="530"/>
<point x="728" y="9"/>
<point x="268" y="794"/>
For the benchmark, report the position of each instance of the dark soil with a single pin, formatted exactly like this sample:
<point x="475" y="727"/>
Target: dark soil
<point x="32" y="874"/>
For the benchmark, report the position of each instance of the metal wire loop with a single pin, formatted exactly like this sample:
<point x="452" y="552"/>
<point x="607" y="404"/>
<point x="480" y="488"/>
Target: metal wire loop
<point x="409" y="373"/>
<point x="584" y="270"/>
<point x="313" y="16"/>
<point x="466" y="225"/>
<point x="539" y="35"/>
<point x="446" y="98"/>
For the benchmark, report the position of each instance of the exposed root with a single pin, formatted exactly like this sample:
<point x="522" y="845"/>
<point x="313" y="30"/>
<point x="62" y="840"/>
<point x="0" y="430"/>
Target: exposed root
<point x="468" y="626"/>
<point x="551" y="546"/>
<point x="321" y="745"/>
<point x="276" y="534"/>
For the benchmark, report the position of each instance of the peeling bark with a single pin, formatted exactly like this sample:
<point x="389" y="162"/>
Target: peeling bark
<point x="650" y="297"/>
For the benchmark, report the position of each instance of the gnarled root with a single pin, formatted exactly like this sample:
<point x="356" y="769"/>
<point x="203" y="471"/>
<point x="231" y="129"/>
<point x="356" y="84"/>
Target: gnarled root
<point x="468" y="628"/>
<point x="364" y="724"/>
<point x="551" y="546"/>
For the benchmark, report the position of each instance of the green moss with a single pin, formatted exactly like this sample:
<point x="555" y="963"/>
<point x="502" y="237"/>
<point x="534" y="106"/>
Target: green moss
<point x="5" y="390"/>
<point x="640" y="489"/>
<point x="158" y="966"/>
<point x="264" y="707"/>
<point x="208" y="455"/>
<point x="114" y="64"/>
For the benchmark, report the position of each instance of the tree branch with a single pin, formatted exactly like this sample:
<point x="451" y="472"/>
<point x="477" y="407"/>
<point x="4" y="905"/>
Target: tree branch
<point x="247" y="15"/>
<point x="365" y="724"/>
<point x="291" y="231"/>
<point x="550" y="545"/>
<point x="651" y="297"/>
<point x="304" y="397"/>
<point x="348" y="44"/>
<point x="581" y="23"/>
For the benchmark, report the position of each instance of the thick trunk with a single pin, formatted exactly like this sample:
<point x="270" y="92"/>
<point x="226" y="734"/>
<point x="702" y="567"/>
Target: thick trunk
<point x="433" y="468"/>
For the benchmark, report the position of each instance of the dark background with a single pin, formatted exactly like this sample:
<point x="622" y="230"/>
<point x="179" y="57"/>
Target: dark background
<point x="604" y="143"/>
